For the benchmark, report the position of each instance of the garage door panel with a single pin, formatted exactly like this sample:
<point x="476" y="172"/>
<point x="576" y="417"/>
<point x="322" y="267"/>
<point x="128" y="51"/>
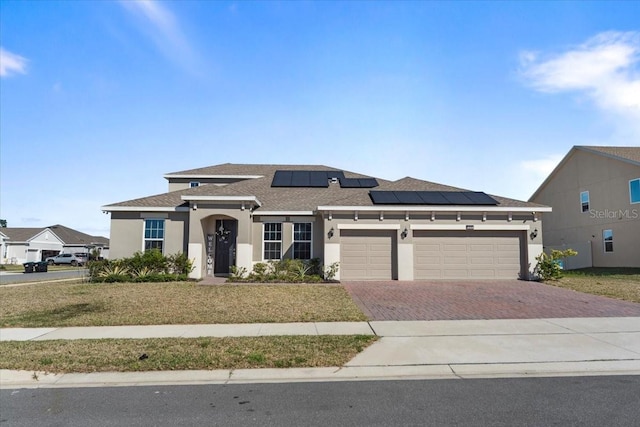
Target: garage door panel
<point x="457" y="260"/>
<point x="463" y="255"/>
<point x="428" y="260"/>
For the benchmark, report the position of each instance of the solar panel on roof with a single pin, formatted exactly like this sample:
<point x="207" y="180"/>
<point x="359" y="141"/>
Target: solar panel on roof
<point x="358" y="182"/>
<point x="368" y="182"/>
<point x="457" y="198"/>
<point x="432" y="198"/>
<point x="408" y="197"/>
<point x="282" y="179"/>
<point x="383" y="198"/>
<point x="451" y="198"/>
<point x="318" y="179"/>
<point x="300" y="179"/>
<point x="480" y="198"/>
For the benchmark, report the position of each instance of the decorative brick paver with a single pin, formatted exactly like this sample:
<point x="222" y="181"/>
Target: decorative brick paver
<point x="500" y="299"/>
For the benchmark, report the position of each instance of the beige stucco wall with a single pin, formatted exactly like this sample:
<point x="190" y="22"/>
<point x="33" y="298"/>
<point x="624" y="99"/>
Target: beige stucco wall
<point x="607" y="181"/>
<point x="127" y="232"/>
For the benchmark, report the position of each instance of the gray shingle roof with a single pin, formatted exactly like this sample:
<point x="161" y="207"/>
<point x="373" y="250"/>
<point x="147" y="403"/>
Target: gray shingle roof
<point x="622" y="153"/>
<point x="20" y="234"/>
<point x="68" y="235"/>
<point x="74" y="237"/>
<point x="289" y="199"/>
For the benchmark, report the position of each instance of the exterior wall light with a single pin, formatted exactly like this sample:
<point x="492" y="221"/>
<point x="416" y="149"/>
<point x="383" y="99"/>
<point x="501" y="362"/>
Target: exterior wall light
<point x="404" y="233"/>
<point x="534" y="234"/>
<point x="330" y="233"/>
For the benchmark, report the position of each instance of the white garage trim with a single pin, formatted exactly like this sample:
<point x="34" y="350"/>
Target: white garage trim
<point x="475" y="227"/>
<point x="368" y="226"/>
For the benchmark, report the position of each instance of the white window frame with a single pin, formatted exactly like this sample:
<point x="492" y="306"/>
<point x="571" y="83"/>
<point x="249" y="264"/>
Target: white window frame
<point x="588" y="201"/>
<point x="264" y="241"/>
<point x="630" y="198"/>
<point x="152" y="239"/>
<point x="294" y="241"/>
<point x="194" y="184"/>
<point x="604" y="241"/>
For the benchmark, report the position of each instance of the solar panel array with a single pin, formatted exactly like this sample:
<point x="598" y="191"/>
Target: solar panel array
<point x="318" y="179"/>
<point x="431" y="198"/>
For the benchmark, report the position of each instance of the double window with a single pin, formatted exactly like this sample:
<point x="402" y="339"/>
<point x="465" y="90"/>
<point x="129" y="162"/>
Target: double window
<point x="153" y="234"/>
<point x="302" y="240"/>
<point x="273" y="243"/>
<point x="607" y="237"/>
<point x="634" y="190"/>
<point x="193" y="184"/>
<point x="272" y="240"/>
<point x="584" y="201"/>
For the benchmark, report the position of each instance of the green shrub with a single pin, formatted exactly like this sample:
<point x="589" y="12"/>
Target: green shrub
<point x="548" y="266"/>
<point x="285" y="271"/>
<point x="150" y="266"/>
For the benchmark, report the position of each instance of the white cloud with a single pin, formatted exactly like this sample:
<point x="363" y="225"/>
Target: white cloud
<point x="605" y="68"/>
<point x="160" y="24"/>
<point x="10" y="63"/>
<point x="541" y="168"/>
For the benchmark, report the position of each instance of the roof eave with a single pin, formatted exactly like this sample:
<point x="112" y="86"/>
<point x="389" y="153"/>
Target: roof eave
<point x="106" y="209"/>
<point x="435" y="208"/>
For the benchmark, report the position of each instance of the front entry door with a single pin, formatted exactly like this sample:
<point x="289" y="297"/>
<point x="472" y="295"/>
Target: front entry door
<point x="225" y="256"/>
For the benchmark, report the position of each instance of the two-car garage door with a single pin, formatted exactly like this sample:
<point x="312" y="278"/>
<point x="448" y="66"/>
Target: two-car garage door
<point x="466" y="255"/>
<point x="372" y="255"/>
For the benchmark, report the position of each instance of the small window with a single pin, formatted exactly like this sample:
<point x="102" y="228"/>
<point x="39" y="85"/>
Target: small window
<point x="302" y="240"/>
<point x="584" y="201"/>
<point x="153" y="234"/>
<point x="272" y="240"/>
<point x="193" y="184"/>
<point x="634" y="190"/>
<point x="607" y="236"/>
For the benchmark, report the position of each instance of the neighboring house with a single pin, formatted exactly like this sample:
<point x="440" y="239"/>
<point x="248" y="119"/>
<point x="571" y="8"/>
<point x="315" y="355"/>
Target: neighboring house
<point x="238" y="215"/>
<point x="595" y="195"/>
<point x="36" y="244"/>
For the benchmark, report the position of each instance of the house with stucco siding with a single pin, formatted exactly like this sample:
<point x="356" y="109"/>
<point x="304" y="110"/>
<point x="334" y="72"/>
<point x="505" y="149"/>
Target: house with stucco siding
<point x="409" y="229"/>
<point x="595" y="195"/>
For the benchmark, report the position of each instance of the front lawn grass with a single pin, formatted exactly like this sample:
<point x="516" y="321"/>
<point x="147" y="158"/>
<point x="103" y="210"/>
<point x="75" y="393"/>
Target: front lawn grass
<point x="82" y="304"/>
<point x="167" y="354"/>
<point x="619" y="283"/>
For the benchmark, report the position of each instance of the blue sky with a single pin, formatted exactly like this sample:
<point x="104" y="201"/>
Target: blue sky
<point x="99" y="99"/>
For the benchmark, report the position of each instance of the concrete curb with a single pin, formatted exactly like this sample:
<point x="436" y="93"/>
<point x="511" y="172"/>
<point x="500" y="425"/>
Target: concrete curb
<point x="10" y="379"/>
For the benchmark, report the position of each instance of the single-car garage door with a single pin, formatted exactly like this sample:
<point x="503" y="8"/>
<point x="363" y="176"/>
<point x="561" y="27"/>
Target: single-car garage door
<point x="466" y="255"/>
<point x="367" y="254"/>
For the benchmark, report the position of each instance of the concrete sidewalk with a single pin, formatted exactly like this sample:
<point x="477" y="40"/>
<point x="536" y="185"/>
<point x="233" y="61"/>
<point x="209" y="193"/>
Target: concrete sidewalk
<point x="405" y="350"/>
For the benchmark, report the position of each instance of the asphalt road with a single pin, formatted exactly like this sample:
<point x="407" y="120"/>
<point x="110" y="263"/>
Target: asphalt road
<point x="585" y="401"/>
<point x="10" y="278"/>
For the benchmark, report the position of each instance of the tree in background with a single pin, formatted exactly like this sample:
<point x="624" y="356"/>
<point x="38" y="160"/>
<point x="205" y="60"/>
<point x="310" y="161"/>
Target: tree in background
<point x="3" y="223"/>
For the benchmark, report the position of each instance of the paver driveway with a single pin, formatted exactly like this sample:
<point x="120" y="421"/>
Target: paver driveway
<point x="456" y="300"/>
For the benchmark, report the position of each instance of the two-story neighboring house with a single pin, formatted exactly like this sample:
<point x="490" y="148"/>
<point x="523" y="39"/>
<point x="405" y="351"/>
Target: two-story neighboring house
<point x="595" y="196"/>
<point x="241" y="214"/>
